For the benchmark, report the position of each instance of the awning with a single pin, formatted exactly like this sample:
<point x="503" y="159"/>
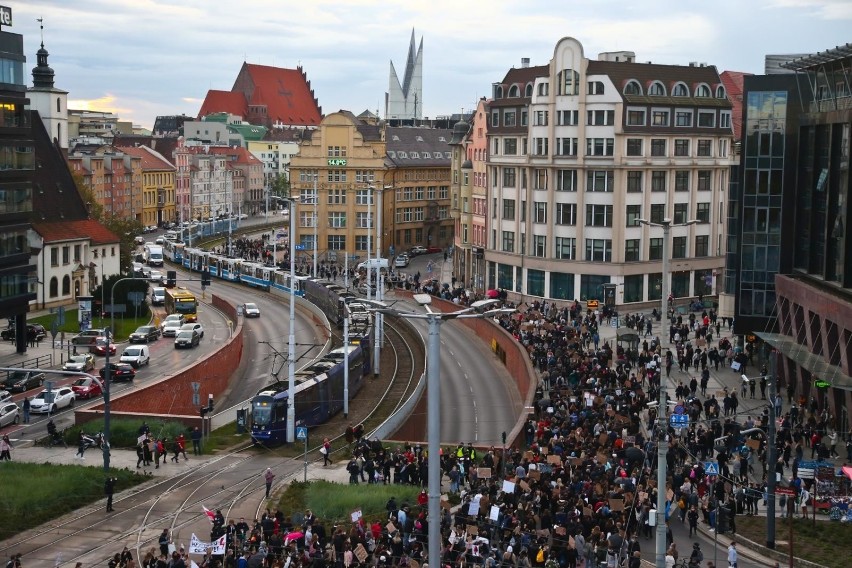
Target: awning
<point x="816" y="365"/>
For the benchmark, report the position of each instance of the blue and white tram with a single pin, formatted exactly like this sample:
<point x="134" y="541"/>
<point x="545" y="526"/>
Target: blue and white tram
<point x="257" y="275"/>
<point x="173" y="251"/>
<point x="223" y="267"/>
<point x="281" y="282"/>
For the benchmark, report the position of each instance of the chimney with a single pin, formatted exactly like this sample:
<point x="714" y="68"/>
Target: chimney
<point x="525" y="62"/>
<point x="693" y="63"/>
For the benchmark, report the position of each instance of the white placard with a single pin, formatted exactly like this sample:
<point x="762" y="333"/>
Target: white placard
<point x="196" y="546"/>
<point x="495" y="513"/>
<point x="508" y="486"/>
<point x="356" y="515"/>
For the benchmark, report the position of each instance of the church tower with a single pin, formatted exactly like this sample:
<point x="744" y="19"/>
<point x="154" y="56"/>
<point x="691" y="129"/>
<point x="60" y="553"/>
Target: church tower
<point x="404" y="101"/>
<point x="50" y="102"/>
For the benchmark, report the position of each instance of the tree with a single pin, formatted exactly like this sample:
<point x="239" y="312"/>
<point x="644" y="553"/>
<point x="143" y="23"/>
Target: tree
<point x="104" y="293"/>
<point x="280" y="187"/>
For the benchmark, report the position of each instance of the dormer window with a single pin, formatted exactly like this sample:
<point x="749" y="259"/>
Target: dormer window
<point x="528" y="91"/>
<point x="702" y="91"/>
<point x="656" y="89"/>
<point x="498" y="91"/>
<point x="680" y="90"/>
<point x="632" y="88"/>
<point x="720" y="92"/>
<point x="514" y="92"/>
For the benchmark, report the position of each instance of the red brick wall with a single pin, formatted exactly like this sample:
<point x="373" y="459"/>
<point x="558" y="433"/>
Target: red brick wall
<point x="172" y="396"/>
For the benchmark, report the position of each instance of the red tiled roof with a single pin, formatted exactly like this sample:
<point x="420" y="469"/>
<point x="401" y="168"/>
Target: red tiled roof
<point x="223" y="101"/>
<point x="151" y="159"/>
<point x="239" y="154"/>
<point x="733" y="81"/>
<point x="73" y="230"/>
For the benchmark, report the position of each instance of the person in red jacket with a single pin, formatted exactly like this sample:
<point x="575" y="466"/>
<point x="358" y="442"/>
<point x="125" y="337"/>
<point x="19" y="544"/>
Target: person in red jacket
<point x="181" y="442"/>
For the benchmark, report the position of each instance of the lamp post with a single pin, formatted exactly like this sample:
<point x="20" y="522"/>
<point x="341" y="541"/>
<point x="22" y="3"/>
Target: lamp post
<point x="433" y="387"/>
<point x="291" y="340"/>
<point x="316" y="204"/>
<point x="771" y="453"/>
<point x="662" y="426"/>
<point x="370" y="193"/>
<point x="229" y="184"/>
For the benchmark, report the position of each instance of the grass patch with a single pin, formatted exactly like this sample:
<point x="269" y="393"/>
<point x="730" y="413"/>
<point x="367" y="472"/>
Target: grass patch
<point x="123" y="433"/>
<point x="827" y="543"/>
<point x="124" y="326"/>
<point x="224" y="438"/>
<point x="33" y="494"/>
<point x="334" y="502"/>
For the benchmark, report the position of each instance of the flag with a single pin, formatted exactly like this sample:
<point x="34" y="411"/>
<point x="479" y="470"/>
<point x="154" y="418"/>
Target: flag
<point x="219" y="545"/>
<point x="210" y="514"/>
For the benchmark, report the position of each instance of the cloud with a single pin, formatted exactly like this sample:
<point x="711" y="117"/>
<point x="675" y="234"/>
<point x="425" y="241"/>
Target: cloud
<point x="824" y="9"/>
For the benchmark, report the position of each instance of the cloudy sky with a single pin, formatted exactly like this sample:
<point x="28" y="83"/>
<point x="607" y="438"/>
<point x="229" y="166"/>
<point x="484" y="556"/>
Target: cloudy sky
<point x="143" y="58"/>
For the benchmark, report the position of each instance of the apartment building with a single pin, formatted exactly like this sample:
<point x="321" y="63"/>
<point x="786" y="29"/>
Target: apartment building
<point x="114" y="176"/>
<point x="158" y="185"/>
<point x="579" y="150"/>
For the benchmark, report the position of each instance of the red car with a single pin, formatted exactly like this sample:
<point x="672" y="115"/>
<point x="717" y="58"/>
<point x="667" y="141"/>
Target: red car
<point x="86" y="387"/>
<point x="100" y="347"/>
<point x="431" y="250"/>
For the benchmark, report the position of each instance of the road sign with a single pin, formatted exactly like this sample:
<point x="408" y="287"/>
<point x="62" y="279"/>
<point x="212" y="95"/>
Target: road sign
<point x="613" y="322"/>
<point x="711" y="468"/>
<point x="301" y="433"/>
<point x="136" y="297"/>
<point x="679" y="420"/>
<point x="299" y="247"/>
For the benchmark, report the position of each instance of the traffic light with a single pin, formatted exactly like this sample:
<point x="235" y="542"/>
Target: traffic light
<point x="205" y="278"/>
<point x="171" y="279"/>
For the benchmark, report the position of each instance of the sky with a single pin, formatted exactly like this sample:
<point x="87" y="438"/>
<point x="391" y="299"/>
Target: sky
<point x="143" y="58"/>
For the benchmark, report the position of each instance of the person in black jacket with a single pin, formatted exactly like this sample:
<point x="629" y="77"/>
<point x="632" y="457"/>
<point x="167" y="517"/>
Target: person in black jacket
<point x="109" y="489"/>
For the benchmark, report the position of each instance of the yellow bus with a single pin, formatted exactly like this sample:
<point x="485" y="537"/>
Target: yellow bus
<point x="182" y="301"/>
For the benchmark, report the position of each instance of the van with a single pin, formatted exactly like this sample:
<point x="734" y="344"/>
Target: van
<point x="136" y="355"/>
<point x="373" y="263"/>
<point x="158" y="296"/>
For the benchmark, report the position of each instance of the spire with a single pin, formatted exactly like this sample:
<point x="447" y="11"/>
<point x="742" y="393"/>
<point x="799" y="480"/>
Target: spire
<point x="42" y="73"/>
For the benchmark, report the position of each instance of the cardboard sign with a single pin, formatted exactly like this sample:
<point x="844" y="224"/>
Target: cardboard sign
<point x="571" y="543"/>
<point x="534" y="474"/>
<point x="554" y="460"/>
<point x="587" y="511"/>
<point x="494" y="513"/>
<point x="391" y="528"/>
<point x="524" y="485"/>
<point x="472" y="530"/>
<point x="360" y="553"/>
<point x="753" y="444"/>
<point x="616" y="505"/>
<point x="355" y="515"/>
<point x="576" y="462"/>
<point x="630" y="439"/>
<point x="529" y="456"/>
<point x="413" y="563"/>
<point x="483" y="472"/>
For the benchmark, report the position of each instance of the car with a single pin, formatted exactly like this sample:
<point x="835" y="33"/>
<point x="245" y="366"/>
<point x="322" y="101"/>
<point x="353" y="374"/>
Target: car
<point x="417" y="250"/>
<point x="170" y="326"/>
<point x="86" y="387"/>
<point x="34" y="330"/>
<point x="145" y="334"/>
<point x="158" y="296"/>
<point x="401" y="261"/>
<point x="9" y="413"/>
<point x="138" y="270"/>
<point x="5" y="395"/>
<point x="87" y="337"/>
<point x="136" y="355"/>
<point x="139" y="240"/>
<point x="186" y="338"/>
<point x="196" y="327"/>
<point x="251" y="310"/>
<point x="157" y="277"/>
<point x="50" y="401"/>
<point x="83" y="363"/>
<point x="118" y="372"/>
<point x="431" y="250"/>
<point x="160" y="241"/>
<point x="21" y="381"/>
<point x="100" y="346"/>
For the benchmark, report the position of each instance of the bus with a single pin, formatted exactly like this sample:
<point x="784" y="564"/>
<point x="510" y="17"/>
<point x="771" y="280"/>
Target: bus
<point x="182" y="301"/>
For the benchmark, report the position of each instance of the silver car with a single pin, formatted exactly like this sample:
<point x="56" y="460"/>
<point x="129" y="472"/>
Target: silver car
<point x="9" y="413"/>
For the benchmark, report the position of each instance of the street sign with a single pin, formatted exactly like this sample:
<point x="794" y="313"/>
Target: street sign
<point x="785" y="491"/>
<point x="136" y="297"/>
<point x="613" y="322"/>
<point x="821" y="384"/>
<point x="711" y="468"/>
<point x="301" y="433"/>
<point x="299" y="247"/>
<point x="679" y="420"/>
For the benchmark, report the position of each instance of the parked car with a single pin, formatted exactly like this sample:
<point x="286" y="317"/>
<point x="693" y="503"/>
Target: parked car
<point x="101" y="345"/>
<point x="401" y="261"/>
<point x="119" y="372"/>
<point x="83" y="363"/>
<point x="136" y="355"/>
<point x="251" y="310"/>
<point x="416" y="250"/>
<point x="431" y="250"/>
<point x="34" y="330"/>
<point x="88" y="337"/>
<point x="51" y="401"/>
<point x="5" y="395"/>
<point x="9" y="413"/>
<point x="86" y="387"/>
<point x="21" y="381"/>
<point x="187" y="338"/>
<point x="145" y="334"/>
<point x="196" y="327"/>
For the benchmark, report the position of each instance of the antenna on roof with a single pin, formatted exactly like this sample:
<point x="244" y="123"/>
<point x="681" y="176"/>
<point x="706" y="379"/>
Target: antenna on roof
<point x="41" y="27"/>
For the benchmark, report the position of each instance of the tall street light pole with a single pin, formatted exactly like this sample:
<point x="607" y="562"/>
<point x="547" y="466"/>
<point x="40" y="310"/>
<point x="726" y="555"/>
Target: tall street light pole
<point x="433" y="388"/>
<point x="370" y="192"/>
<point x="662" y="426"/>
<point x="291" y="339"/>
<point x="316" y="204"/>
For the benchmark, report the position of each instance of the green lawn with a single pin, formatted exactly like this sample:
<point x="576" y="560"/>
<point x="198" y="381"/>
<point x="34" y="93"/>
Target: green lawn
<point x="33" y="494"/>
<point x="335" y="502"/>
<point x="827" y="543"/>
<point x="124" y="326"/>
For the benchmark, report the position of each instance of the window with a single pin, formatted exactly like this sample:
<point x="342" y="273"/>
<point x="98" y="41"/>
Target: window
<point x="656" y="89"/>
<point x="495" y="117"/>
<point x="540" y="118"/>
<point x="566" y="146"/>
<point x="599" y="146"/>
<point x="509" y="118"/>
<point x="702" y="212"/>
<point x="702" y="91"/>
<point x="567" y="117"/>
<point x="336" y="197"/>
<point x="655" y="249"/>
<point x="634" y="146"/>
<point x="706" y="119"/>
<point x="658" y="147"/>
<point x="54" y="256"/>
<point x="510" y="146"/>
<point x="705" y="177"/>
<point x="508" y="177"/>
<point x="680" y="90"/>
<point x="509" y="209"/>
<point x="658" y="212"/>
<point x="599" y="250"/>
<point x="539" y="212"/>
<point x="658" y="180"/>
<point x="337" y="220"/>
<point x="540" y="146"/>
<point x="599" y="180"/>
<point x="571" y="82"/>
<point x="540" y="179"/>
<point x="524" y="118"/>
<point x="633" y="88"/>
<point x="77" y="256"/>
<point x="683" y="118"/>
<point x="681" y="211"/>
<point x="66" y="255"/>
<point x="682" y="180"/>
<point x="725" y="119"/>
<point x="704" y="148"/>
<point x="66" y="285"/>
<point x="598" y="215"/>
<point x="543" y="89"/>
<point x="340" y="175"/>
<point x="636" y="117"/>
<point x="600" y="117"/>
<point x="566" y="248"/>
<point x="681" y="148"/>
<point x="679" y="247"/>
<point x="566" y="214"/>
<point x="54" y="287"/>
<point x="702" y="245"/>
<point x="631" y="250"/>
<point x="528" y="90"/>
<point x="336" y="242"/>
<point x="634" y="213"/>
<point x="566" y="180"/>
<point x="596" y="88"/>
<point x="660" y="118"/>
<point x="539" y="246"/>
<point x="634" y="181"/>
<point x="508" y="244"/>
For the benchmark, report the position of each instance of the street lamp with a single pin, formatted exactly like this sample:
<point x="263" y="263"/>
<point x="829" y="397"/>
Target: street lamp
<point x="291" y="340"/>
<point x="433" y="387"/>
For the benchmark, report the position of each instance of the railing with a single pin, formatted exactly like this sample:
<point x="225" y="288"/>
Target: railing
<point x="40" y="362"/>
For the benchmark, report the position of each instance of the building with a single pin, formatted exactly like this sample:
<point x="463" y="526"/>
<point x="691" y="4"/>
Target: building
<point x="114" y="176"/>
<point x="222" y="129"/>
<point x="246" y="178"/>
<point x="170" y="125"/>
<point x="158" y="185"/>
<point x="332" y="176"/>
<point x="418" y="171"/>
<point x="50" y="102"/>
<point x="273" y="97"/>
<point x="96" y="126"/>
<point x="404" y="100"/>
<point x="276" y="151"/>
<point x="814" y="298"/>
<point x="580" y="150"/>
<point x="469" y="197"/>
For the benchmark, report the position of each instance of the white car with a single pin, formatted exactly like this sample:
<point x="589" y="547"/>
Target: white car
<point x="196" y="327"/>
<point x="401" y="261"/>
<point x="83" y="363"/>
<point x="156" y="276"/>
<point x="52" y="401"/>
<point x="5" y="396"/>
<point x="251" y="310"/>
<point x="136" y="355"/>
<point x="9" y="413"/>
